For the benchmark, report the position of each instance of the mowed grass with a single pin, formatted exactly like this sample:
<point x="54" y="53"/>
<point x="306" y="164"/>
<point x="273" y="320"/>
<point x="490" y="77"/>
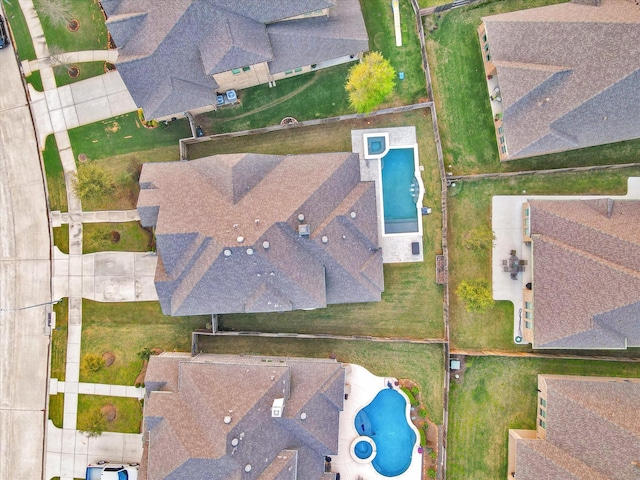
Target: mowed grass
<point x="469" y="208"/>
<point x="128" y="417"/>
<point x="61" y="238"/>
<point x="124" y="329"/>
<point x="498" y="393"/>
<point x="56" y="409"/>
<point x="99" y="237"/>
<point x="87" y="70"/>
<point x="461" y="97"/>
<point x="35" y="79"/>
<point x="411" y="304"/>
<point x="92" y="34"/>
<point x="18" y="26"/>
<point x="59" y="359"/>
<point x="419" y="362"/>
<point x="55" y="175"/>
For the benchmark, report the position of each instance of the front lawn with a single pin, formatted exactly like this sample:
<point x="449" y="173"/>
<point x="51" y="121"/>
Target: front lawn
<point x="420" y="363"/>
<point x="61" y="238"/>
<point x="87" y="70"/>
<point x="124" y="329"/>
<point x="56" y="409"/>
<point x="116" y="237"/>
<point x="469" y="208"/>
<point x="59" y="340"/>
<point x="498" y="393"/>
<point x="55" y="175"/>
<point x="128" y="413"/>
<point x="18" y="26"/>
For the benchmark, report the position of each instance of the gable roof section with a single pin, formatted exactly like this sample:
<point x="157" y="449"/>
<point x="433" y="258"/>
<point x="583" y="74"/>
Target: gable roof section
<point x="586" y="273"/>
<point x="211" y="243"/>
<point x="592" y="431"/>
<point x="568" y="75"/>
<point x="183" y="421"/>
<point x="162" y="43"/>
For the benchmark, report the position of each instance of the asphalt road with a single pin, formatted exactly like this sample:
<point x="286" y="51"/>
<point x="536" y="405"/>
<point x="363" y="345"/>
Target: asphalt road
<point x="25" y="280"/>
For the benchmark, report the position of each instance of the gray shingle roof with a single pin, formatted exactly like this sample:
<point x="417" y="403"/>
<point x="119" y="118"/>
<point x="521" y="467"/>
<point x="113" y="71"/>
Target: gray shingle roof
<point x="586" y="273"/>
<point x="203" y="268"/>
<point x="569" y="75"/>
<point x="187" y="435"/>
<point x="592" y="431"/>
<point x="167" y="50"/>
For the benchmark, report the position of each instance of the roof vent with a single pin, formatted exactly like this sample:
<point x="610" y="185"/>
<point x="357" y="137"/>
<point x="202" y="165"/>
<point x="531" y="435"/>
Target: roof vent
<point x="304" y="230"/>
<point x="240" y="239"/>
<point x="247" y="467"/>
<point x="301" y="217"/>
<point x="227" y="253"/>
<point x="249" y="251"/>
<point x="234" y="442"/>
<point x="303" y="416"/>
<point x="227" y="419"/>
<point x="325" y="239"/>
<point x="277" y="407"/>
<point x="265" y="245"/>
<point x="353" y="214"/>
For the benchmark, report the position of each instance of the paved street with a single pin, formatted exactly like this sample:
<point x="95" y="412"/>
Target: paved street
<point x="24" y="282"/>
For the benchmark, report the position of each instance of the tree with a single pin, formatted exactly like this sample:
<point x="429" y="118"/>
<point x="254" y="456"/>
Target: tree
<point x="479" y="238"/>
<point x="370" y="82"/>
<point x="57" y="11"/>
<point x="97" y="424"/>
<point x="92" y="181"/>
<point x="475" y="294"/>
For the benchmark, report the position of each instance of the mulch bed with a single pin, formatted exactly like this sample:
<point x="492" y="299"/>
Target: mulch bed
<point x="109" y="411"/>
<point x="109" y="358"/>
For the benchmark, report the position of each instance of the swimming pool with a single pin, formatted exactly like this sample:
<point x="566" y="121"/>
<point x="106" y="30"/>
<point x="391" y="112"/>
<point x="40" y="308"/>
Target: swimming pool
<point x="400" y="191"/>
<point x="384" y="420"/>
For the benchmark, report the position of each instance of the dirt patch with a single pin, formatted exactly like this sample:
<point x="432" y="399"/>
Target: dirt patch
<point x="140" y="378"/>
<point x="156" y="351"/>
<point x="109" y="358"/>
<point x="109" y="411"/>
<point x="73" y="71"/>
<point x="113" y="128"/>
<point x="73" y="25"/>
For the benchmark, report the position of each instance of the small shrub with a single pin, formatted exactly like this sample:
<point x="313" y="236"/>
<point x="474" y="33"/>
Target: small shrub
<point x="423" y="437"/>
<point x="93" y="363"/>
<point x="415" y="390"/>
<point x="422" y="412"/>
<point x="144" y="354"/>
<point x="412" y="398"/>
<point x="431" y="473"/>
<point x="475" y="294"/>
<point x="433" y="454"/>
<point x="97" y="424"/>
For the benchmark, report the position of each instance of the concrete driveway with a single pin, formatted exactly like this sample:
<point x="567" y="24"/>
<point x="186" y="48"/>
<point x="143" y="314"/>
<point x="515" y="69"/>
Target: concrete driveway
<point x="25" y="276"/>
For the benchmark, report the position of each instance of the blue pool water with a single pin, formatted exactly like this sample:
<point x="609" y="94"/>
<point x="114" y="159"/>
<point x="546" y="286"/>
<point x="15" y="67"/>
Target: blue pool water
<point x="375" y="145"/>
<point x="400" y="191"/>
<point x="363" y="449"/>
<point x="385" y="421"/>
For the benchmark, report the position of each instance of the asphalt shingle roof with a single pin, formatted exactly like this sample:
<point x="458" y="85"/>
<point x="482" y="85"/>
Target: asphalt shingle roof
<point x="569" y="75"/>
<point x="168" y="50"/>
<point x="187" y="434"/>
<point x="586" y="273"/>
<point x="233" y="244"/>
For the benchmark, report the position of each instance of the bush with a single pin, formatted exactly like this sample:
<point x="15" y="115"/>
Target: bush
<point x="423" y="437"/>
<point x="92" y="182"/>
<point x="412" y="399"/>
<point x="422" y="412"/>
<point x="415" y="390"/>
<point x="475" y="294"/>
<point x="97" y="424"/>
<point x="93" y="363"/>
<point x="144" y="354"/>
<point x="431" y="473"/>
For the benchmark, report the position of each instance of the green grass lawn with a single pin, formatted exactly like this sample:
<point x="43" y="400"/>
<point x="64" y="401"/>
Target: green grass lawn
<point x="59" y="359"/>
<point x="495" y="394"/>
<point x="20" y="31"/>
<point x="92" y="34"/>
<point x="470" y="207"/>
<point x="87" y="70"/>
<point x="124" y="329"/>
<point x="132" y="237"/>
<point x="55" y="175"/>
<point x="56" y="409"/>
<point x="35" y="79"/>
<point x="61" y="238"/>
<point x="421" y="363"/>
<point x="128" y="417"/>
<point x="464" y="114"/>
<point x="412" y="302"/>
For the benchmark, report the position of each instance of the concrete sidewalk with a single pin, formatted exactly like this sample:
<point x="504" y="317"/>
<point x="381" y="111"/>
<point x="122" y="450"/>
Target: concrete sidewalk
<point x="106" y="216"/>
<point x="83" y="388"/>
<point x="69" y="58"/>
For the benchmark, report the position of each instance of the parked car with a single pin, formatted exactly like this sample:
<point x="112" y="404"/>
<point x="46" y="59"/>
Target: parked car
<point x="4" y="38"/>
<point x="112" y="471"/>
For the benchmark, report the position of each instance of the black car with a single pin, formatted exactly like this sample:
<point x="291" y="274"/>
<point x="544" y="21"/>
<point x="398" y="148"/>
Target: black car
<point x="4" y="38"/>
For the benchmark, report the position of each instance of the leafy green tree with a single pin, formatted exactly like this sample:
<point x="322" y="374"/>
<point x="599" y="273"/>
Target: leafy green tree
<point x="92" y="181"/>
<point x="370" y="82"/>
<point x="475" y="294"/>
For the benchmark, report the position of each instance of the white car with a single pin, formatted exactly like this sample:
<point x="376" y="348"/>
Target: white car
<point x="112" y="471"/>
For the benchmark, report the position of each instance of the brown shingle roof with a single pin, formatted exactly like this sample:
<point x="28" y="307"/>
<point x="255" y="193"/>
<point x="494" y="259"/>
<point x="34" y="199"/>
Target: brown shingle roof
<point x="253" y="198"/>
<point x="592" y="431"/>
<point x="188" y="399"/>
<point x="586" y="273"/>
<point x="568" y="75"/>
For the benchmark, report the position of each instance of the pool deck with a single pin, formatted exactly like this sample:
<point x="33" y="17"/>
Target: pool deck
<point x="396" y="248"/>
<point x="364" y="387"/>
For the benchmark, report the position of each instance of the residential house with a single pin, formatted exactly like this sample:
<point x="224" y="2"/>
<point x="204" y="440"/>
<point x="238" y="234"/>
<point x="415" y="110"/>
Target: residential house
<point x="585" y="267"/>
<point x="175" y="56"/>
<point x="245" y="233"/>
<point x="563" y="76"/>
<point x="587" y="428"/>
<point x="227" y="417"/>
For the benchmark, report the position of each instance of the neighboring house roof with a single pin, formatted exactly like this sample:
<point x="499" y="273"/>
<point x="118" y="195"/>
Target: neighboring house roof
<point x="592" y="431"/>
<point x="187" y="399"/>
<point x="569" y="75"/>
<point x="168" y="50"/>
<point x="586" y="273"/>
<point x="233" y="243"/>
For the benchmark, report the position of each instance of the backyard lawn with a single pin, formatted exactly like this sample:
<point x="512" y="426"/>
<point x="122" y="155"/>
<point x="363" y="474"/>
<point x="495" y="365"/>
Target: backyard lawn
<point x="498" y="393"/>
<point x="421" y="363"/>
<point x="118" y="237"/>
<point x="469" y="208"/>
<point x="464" y="114"/>
<point x="124" y="329"/>
<point x="55" y="175"/>
<point x="127" y="411"/>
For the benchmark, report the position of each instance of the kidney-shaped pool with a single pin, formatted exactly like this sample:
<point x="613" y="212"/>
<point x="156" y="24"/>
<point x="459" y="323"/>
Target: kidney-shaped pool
<point x="384" y="420"/>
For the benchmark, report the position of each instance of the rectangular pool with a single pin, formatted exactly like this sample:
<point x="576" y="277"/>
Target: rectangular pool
<point x="400" y="191"/>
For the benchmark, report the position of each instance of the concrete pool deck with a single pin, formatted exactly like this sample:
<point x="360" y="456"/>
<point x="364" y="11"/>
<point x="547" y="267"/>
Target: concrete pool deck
<point x="396" y="248"/>
<point x="364" y="387"/>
